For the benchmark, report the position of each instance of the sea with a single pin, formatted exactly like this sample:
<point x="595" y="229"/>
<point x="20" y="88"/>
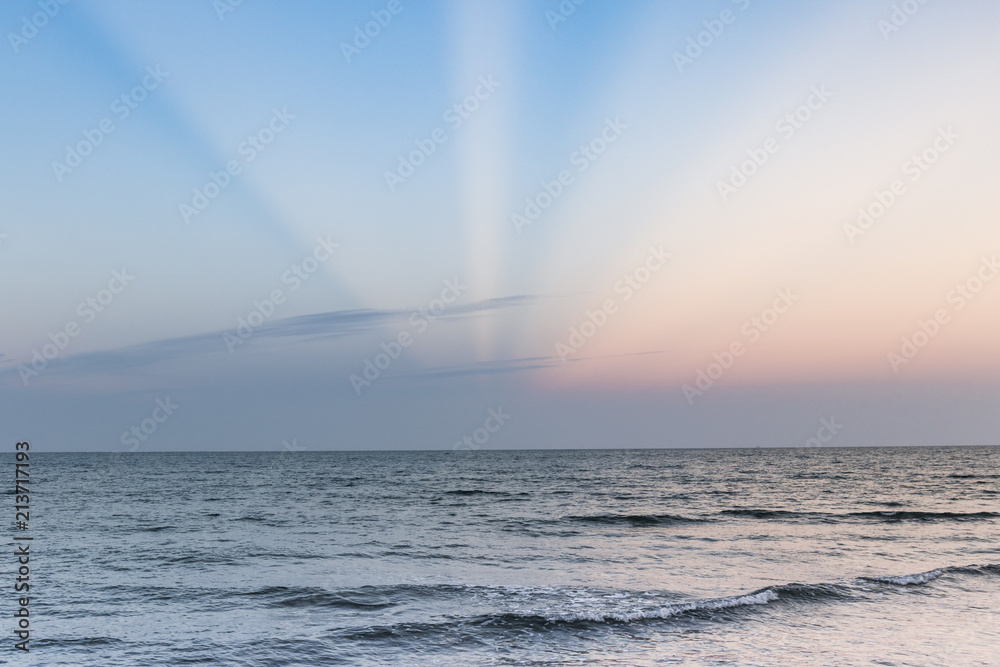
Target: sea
<point x="820" y="556"/>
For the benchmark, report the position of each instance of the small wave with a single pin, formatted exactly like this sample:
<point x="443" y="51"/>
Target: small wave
<point x="199" y="559"/>
<point x="74" y="642"/>
<point x="284" y="596"/>
<point x="408" y="554"/>
<point x="762" y="513"/>
<point x="670" y="610"/>
<point x="965" y="476"/>
<point x="475" y="492"/>
<point x="333" y="600"/>
<point x="541" y="620"/>
<point x="548" y="609"/>
<point x="812" y="592"/>
<point x="926" y="577"/>
<point x="529" y="620"/>
<point x="879" y="515"/>
<point x="633" y="519"/>
<point x="908" y="579"/>
<point x="279" y="555"/>
<point x="989" y="570"/>
<point x="903" y="515"/>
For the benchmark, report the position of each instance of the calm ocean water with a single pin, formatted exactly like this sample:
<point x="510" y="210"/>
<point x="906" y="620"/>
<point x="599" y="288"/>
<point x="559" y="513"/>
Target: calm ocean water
<point x="666" y="557"/>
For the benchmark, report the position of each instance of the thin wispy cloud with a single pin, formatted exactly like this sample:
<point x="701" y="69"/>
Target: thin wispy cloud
<point x="303" y="328"/>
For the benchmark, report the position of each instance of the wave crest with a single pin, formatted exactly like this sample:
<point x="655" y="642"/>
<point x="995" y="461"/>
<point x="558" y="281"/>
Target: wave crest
<point x="633" y="519"/>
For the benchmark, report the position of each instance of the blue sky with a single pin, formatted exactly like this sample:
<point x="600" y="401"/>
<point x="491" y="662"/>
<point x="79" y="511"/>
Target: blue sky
<point x="663" y="133"/>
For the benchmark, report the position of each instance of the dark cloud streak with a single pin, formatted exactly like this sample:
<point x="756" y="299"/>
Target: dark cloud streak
<point x="333" y="324"/>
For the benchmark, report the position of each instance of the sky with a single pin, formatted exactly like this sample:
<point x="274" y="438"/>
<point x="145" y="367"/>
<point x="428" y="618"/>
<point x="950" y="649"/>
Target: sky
<point x="477" y="225"/>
